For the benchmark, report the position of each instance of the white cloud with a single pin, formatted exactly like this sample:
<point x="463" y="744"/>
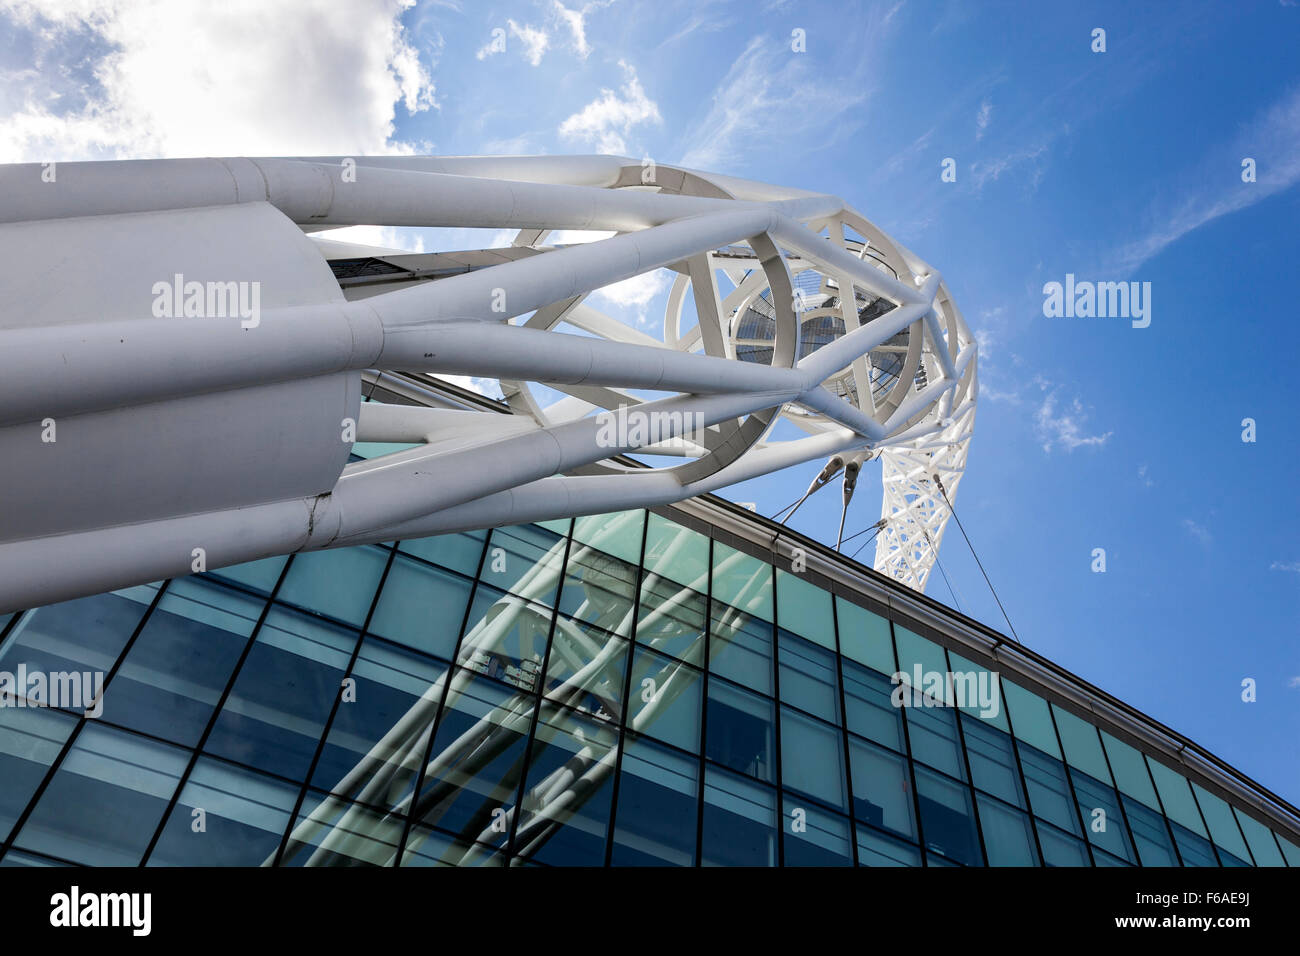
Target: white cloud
<point x="982" y="118"/>
<point x="1147" y="482"/>
<point x="240" y="77"/>
<point x="1272" y="139"/>
<point x="1292" y="566"/>
<point x="383" y="237"/>
<point x="1197" y="531"/>
<point x="484" y="386"/>
<point x="575" y="20"/>
<point x="1064" y="427"/>
<point x="1294" y="682"/>
<point x="534" y="39"/>
<point x="635" y="294"/>
<point x="767" y="92"/>
<point x="608" y="119"/>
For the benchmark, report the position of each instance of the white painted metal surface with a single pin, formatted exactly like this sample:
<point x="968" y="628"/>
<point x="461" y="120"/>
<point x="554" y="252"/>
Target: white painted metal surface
<point x="140" y="441"/>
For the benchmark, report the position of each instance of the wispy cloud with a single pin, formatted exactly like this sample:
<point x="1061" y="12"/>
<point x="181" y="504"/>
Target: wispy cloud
<point x="534" y="39"/>
<point x="1144" y="477"/>
<point x="1292" y="566"/>
<point x="1198" y="531"/>
<point x="1064" y="424"/>
<point x="1272" y="139"/>
<point x="982" y="118"/>
<point x="770" y="88"/>
<point x="576" y="22"/>
<point x="608" y="120"/>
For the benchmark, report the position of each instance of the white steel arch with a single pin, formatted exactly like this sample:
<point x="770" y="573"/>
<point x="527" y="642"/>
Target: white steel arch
<point x="140" y="440"/>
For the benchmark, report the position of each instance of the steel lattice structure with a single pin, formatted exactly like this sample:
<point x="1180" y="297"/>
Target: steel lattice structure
<point x="140" y="442"/>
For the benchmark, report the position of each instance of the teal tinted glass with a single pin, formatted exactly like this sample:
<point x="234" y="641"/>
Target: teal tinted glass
<point x="1082" y="744"/>
<point x="814" y="837"/>
<point x="804" y="609"/>
<point x="923" y="664"/>
<point x="742" y="581"/>
<point x="1176" y="796"/>
<point x="1130" y="771"/>
<point x="864" y="637"/>
<point x="1223" y="825"/>
<point x="618" y="534"/>
<point x="677" y="553"/>
<point x="1008" y="834"/>
<point x="812" y="758"/>
<point x="1260" y="840"/>
<point x="979" y="692"/>
<point x="1031" y="718"/>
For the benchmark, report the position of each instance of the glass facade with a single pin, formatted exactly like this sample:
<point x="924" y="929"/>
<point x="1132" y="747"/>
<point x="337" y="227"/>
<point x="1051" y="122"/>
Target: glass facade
<point x="614" y="690"/>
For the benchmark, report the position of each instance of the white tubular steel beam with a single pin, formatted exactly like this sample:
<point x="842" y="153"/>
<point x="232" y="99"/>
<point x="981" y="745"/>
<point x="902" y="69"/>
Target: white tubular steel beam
<point x="120" y="366"/>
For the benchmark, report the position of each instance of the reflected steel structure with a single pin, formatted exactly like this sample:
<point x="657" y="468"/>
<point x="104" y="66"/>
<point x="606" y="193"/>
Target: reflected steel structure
<point x="142" y="447"/>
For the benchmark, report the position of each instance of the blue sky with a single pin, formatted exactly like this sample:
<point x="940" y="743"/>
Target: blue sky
<point x="1111" y="166"/>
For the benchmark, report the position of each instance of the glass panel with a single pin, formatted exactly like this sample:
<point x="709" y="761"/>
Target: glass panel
<point x="807" y="677"/>
<point x="1260" y="839"/>
<point x="740" y="730"/>
<point x="426" y="847"/>
<point x="1176" y="796"/>
<point x="932" y="730"/>
<point x="1289" y="850"/>
<point x="1049" y="791"/>
<point x="1059" y="849"/>
<point x="257" y="576"/>
<point x="804" y="609"/>
<point x="16" y="858"/>
<point x="947" y="820"/>
<point x="126" y="779"/>
<point x="814" y="837"/>
<point x="882" y="795"/>
<point x="1223" y="827"/>
<point x="421" y="606"/>
<point x="225" y="816"/>
<point x="505" y="638"/>
<point x="340" y="583"/>
<point x="275" y="713"/>
<point x="1082" y="745"/>
<point x="677" y="553"/>
<point x="525" y="560"/>
<point x="666" y="700"/>
<point x="1194" y="849"/>
<point x="915" y="653"/>
<point x="1031" y="718"/>
<point x="565" y="809"/>
<point x="349" y="835"/>
<point x="30" y="741"/>
<point x="672" y="620"/>
<point x="812" y="758"/>
<point x="739" y="821"/>
<point x="85" y="635"/>
<point x="864" y="637"/>
<point x="742" y="581"/>
<point x="618" y="534"/>
<point x="390" y="683"/>
<point x="981" y="692"/>
<point x="600" y="589"/>
<point x="1008" y="834"/>
<point x="1130" y="771"/>
<point x="1102" y="819"/>
<point x="180" y="664"/>
<point x="876" y="849"/>
<point x="658" y="798"/>
<point x="869" y="710"/>
<point x="1154" y="846"/>
<point x="586" y="669"/>
<point x="460" y="552"/>
<point x="472" y="779"/>
<point x="992" y="761"/>
<point x="740" y="648"/>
